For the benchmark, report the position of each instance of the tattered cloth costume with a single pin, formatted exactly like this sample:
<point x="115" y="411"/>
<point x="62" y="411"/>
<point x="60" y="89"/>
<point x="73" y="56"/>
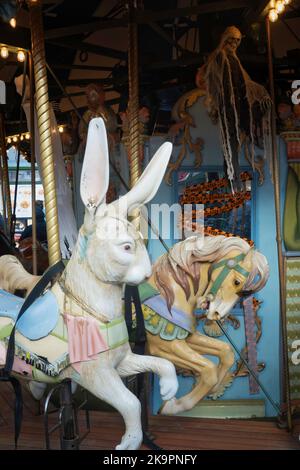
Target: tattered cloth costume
<point x="241" y="106"/>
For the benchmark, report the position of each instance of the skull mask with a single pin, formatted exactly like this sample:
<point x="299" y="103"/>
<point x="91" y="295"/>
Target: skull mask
<point x="231" y="39"/>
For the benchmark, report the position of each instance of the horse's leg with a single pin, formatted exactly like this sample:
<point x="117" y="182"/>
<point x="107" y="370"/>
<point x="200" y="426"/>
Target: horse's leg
<point x="135" y="364"/>
<point x="106" y="384"/>
<point x="183" y="356"/>
<point x="206" y="345"/>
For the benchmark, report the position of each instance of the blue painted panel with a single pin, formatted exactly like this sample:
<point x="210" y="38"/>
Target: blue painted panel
<point x="264" y="235"/>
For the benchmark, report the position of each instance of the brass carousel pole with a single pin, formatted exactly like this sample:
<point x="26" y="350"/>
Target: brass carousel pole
<point x="32" y="149"/>
<point x="5" y="176"/>
<point x="43" y="120"/>
<point x="133" y="103"/>
<point x="281" y="263"/>
<point x="3" y="197"/>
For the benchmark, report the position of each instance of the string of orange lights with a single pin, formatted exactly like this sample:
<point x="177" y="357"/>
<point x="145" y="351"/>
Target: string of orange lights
<point x="13" y="139"/>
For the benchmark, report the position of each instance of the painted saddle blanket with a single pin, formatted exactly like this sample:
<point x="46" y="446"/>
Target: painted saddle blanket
<point x="159" y="320"/>
<point x="35" y="330"/>
<point x="48" y="340"/>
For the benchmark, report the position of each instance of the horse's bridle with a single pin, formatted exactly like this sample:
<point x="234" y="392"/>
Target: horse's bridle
<point x="231" y="264"/>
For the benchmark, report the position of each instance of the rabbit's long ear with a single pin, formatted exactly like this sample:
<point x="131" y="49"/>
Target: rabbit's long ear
<point x="95" y="169"/>
<point x="149" y="182"/>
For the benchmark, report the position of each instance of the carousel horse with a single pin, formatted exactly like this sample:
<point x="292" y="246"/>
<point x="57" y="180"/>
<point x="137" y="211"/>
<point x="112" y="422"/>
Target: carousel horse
<point x="76" y="329"/>
<point x="24" y="253"/>
<point x="212" y="275"/>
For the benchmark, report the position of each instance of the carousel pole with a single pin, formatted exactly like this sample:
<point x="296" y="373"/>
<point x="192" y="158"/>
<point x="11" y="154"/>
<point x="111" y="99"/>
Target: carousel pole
<point x="281" y="263"/>
<point x="135" y="150"/>
<point x="44" y="126"/>
<point x="3" y="198"/>
<point x="5" y="176"/>
<point x="133" y="104"/>
<point x="32" y="149"/>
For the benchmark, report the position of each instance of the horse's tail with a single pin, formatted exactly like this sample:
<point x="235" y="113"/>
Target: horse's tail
<point x="14" y="278"/>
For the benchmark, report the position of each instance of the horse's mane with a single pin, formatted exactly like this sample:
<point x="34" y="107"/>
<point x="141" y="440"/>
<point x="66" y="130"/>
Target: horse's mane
<point x="182" y="264"/>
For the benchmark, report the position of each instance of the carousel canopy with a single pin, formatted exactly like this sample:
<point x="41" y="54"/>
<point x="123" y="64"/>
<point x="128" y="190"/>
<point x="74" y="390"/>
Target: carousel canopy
<point x="90" y="44"/>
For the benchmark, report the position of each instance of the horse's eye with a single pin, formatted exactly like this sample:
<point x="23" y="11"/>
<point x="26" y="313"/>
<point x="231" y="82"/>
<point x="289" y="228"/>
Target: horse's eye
<point x="237" y="282"/>
<point x="127" y="247"/>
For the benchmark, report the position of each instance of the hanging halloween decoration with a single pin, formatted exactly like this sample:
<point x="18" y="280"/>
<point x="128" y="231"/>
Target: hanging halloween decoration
<point x="219" y="203"/>
<point x="181" y="129"/>
<point x="95" y="96"/>
<point x="70" y="142"/>
<point x="239" y="105"/>
<point x="194" y="192"/>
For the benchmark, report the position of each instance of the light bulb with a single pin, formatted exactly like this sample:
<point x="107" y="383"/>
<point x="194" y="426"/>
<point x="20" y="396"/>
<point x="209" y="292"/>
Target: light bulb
<point x="15" y="138"/>
<point x="280" y="6"/>
<point x="4" y="52"/>
<point x="20" y="55"/>
<point x="60" y="129"/>
<point x="13" y="22"/>
<point x="273" y="15"/>
<point x="287" y="2"/>
<point x="27" y="136"/>
<point x="9" y="140"/>
<point x="22" y="137"/>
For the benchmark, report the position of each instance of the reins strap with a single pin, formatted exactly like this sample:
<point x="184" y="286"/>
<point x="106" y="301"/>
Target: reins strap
<point x="224" y="262"/>
<point x="5" y="372"/>
<point x="132" y="296"/>
<point x="227" y="265"/>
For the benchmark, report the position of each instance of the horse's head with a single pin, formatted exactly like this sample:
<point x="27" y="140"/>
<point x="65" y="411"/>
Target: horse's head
<point x="112" y="247"/>
<point x="238" y="273"/>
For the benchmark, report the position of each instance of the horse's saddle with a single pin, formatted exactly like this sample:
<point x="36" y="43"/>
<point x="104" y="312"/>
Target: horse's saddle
<point x="38" y="320"/>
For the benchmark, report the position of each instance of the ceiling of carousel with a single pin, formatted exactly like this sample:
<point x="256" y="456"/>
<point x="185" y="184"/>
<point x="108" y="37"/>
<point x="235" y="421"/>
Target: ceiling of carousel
<point x="87" y="42"/>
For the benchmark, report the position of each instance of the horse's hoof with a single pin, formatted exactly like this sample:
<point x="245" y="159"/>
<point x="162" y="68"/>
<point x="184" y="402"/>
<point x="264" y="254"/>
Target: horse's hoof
<point x="170" y="407"/>
<point x="218" y="391"/>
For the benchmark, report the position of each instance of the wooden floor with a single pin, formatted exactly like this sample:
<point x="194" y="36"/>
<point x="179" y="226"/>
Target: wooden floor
<point x="170" y="432"/>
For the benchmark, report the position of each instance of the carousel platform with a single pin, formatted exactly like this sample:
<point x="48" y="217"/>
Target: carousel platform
<point x="171" y="433"/>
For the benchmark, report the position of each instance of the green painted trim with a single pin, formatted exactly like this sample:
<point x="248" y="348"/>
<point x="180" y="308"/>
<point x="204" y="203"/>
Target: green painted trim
<point x="226" y="270"/>
<point x="147" y="291"/>
<point x="227" y="409"/>
<point x="115" y="332"/>
<point x="59" y="337"/>
<point x="120" y="343"/>
<point x="6" y="331"/>
<point x="112" y="323"/>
